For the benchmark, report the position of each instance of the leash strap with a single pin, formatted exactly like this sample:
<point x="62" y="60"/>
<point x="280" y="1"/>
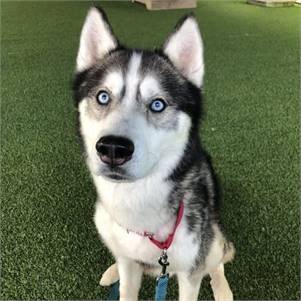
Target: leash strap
<point x="161" y="287"/>
<point x="114" y="291"/>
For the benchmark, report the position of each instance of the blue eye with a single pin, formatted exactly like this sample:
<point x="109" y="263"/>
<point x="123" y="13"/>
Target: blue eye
<point x="157" y="105"/>
<point x="103" y="97"/>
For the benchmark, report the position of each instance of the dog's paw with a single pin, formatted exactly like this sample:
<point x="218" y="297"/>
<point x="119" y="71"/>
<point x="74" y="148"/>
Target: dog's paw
<point x="109" y="276"/>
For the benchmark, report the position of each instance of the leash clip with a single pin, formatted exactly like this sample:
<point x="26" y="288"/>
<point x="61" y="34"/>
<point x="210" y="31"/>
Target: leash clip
<point x="163" y="261"/>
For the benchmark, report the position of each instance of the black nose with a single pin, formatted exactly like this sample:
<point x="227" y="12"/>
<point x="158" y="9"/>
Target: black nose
<point x="114" y="150"/>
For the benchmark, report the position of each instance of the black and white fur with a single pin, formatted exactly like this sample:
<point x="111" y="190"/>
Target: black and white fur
<point x="167" y="166"/>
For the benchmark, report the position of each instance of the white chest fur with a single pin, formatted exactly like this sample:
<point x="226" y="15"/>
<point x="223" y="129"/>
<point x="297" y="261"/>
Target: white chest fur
<point x="142" y="207"/>
<point x="139" y="205"/>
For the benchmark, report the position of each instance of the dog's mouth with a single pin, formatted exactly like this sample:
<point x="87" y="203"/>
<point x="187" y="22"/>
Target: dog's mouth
<point x="117" y="177"/>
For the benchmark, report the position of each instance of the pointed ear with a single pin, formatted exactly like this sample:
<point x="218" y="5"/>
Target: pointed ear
<point x="96" y="39"/>
<point x="184" y="47"/>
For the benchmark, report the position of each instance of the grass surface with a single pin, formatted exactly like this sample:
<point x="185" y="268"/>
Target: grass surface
<point x="49" y="245"/>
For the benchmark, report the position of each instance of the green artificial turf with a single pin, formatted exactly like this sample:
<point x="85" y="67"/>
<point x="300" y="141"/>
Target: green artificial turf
<point x="49" y="246"/>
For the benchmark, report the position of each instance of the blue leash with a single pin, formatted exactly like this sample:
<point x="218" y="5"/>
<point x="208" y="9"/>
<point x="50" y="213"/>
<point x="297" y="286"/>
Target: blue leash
<point x="161" y="289"/>
<point x="114" y="291"/>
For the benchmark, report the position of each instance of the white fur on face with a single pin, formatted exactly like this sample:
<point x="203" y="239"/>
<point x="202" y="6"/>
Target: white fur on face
<point x="96" y="40"/>
<point x="149" y="87"/>
<point x="89" y="128"/>
<point x="157" y="149"/>
<point x="132" y="79"/>
<point x="114" y="82"/>
<point x="185" y="50"/>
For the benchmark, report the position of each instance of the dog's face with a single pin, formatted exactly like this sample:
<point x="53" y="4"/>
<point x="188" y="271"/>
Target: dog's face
<point x="136" y="108"/>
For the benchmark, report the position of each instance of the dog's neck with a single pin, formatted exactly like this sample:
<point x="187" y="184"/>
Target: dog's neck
<point x="141" y="205"/>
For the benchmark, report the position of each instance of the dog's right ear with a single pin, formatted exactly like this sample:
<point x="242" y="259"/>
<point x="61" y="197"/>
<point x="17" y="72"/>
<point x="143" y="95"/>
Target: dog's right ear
<point x="96" y="39"/>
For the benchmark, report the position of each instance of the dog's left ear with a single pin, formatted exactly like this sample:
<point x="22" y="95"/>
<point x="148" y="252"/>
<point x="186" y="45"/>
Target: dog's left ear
<point x="96" y="39"/>
<point x="184" y="47"/>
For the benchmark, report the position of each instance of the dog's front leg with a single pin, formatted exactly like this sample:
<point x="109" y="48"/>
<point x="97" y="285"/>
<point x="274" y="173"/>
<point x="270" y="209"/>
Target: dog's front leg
<point x="220" y="286"/>
<point x="130" y="274"/>
<point x="189" y="286"/>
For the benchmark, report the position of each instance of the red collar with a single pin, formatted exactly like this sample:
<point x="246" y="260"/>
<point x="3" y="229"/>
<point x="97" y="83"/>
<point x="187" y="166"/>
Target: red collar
<point x="164" y="244"/>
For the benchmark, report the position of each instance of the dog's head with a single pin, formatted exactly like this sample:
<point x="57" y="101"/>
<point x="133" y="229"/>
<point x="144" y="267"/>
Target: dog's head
<point x="137" y="108"/>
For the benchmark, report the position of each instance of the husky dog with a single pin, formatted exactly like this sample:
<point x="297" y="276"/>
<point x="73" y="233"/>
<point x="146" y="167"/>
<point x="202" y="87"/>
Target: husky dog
<point x="139" y="116"/>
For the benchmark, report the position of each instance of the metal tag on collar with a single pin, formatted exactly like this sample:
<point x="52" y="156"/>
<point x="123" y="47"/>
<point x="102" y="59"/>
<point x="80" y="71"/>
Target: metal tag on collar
<point x="163" y="261"/>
